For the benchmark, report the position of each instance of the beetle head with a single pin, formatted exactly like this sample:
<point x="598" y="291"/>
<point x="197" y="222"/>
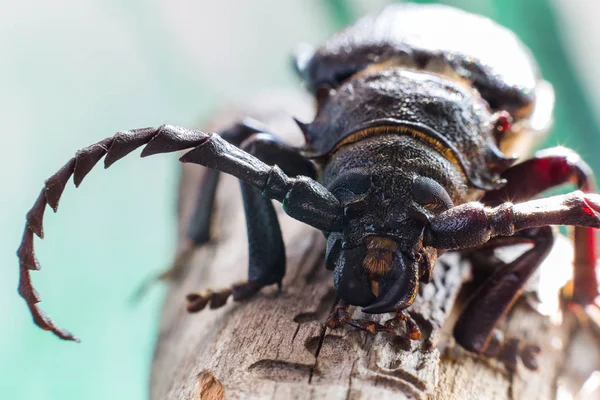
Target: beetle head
<point x="378" y="258"/>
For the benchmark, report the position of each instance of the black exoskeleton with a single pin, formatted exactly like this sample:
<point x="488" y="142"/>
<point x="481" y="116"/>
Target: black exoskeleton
<point x="410" y="155"/>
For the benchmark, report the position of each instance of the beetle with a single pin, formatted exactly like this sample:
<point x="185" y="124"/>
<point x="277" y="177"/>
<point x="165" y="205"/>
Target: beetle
<point x="409" y="155"/>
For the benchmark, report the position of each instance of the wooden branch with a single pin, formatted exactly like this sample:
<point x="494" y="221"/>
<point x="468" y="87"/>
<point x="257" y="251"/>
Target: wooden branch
<point x="277" y="347"/>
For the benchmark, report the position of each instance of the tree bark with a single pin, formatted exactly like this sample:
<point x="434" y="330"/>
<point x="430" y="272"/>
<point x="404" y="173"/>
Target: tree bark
<point x="277" y="346"/>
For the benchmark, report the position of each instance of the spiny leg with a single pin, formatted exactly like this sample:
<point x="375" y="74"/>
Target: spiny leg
<point x="303" y="198"/>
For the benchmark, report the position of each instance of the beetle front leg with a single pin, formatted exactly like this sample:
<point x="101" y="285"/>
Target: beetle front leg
<point x="266" y="254"/>
<point x="340" y="316"/>
<point x="266" y="264"/>
<point x="255" y="138"/>
<point x="262" y="225"/>
<point x="199" y="225"/>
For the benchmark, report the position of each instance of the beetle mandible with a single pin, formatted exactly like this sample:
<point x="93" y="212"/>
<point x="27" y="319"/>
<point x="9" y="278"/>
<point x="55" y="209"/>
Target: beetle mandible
<point x="410" y="155"/>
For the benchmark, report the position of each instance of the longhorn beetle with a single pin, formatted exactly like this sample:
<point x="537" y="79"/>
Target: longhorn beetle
<point x="410" y="155"/>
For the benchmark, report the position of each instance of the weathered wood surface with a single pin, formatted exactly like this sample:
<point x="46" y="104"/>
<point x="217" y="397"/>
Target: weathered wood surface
<point x="277" y="347"/>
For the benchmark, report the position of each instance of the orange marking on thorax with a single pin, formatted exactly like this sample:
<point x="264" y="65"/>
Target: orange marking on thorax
<point x="432" y="142"/>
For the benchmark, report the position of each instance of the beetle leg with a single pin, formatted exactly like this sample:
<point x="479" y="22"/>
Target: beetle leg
<point x="475" y="329"/>
<point x="471" y="225"/>
<point x="250" y="135"/>
<point x="199" y="225"/>
<point x="414" y="333"/>
<point x="266" y="262"/>
<point x="303" y="198"/>
<point x="340" y="317"/>
<point x="551" y="168"/>
<point x="198" y="301"/>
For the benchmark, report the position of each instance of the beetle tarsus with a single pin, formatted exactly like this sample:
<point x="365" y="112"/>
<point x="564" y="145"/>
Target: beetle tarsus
<point x="509" y="351"/>
<point x="212" y="298"/>
<point x="412" y="329"/>
<point x="367" y="325"/>
<point x="218" y="298"/>
<point x="340" y="317"/>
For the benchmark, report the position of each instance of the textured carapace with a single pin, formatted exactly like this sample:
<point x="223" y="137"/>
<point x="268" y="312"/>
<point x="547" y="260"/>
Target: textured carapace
<point x="438" y="112"/>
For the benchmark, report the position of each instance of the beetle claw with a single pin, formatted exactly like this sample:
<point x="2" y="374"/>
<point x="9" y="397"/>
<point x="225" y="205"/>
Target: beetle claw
<point x="198" y="301"/>
<point x="414" y="333"/>
<point x="510" y="350"/>
<point x="340" y="317"/>
<point x="367" y="325"/>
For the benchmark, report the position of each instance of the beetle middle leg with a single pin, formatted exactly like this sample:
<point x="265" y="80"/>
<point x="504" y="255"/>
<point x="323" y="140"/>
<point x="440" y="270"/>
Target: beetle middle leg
<point x="476" y="329"/>
<point x="265" y="243"/>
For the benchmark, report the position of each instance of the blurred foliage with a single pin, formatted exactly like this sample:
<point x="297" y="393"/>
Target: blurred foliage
<point x="341" y="13"/>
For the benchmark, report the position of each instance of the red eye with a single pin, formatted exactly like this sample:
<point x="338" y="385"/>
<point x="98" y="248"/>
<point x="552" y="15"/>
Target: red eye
<point x="503" y="121"/>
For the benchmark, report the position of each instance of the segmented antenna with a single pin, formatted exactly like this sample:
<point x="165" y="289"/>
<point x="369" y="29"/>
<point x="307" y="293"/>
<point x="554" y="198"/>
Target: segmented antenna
<point x="163" y="139"/>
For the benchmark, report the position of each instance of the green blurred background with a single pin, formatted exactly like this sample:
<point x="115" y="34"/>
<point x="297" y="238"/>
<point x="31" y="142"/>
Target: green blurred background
<point x="74" y="71"/>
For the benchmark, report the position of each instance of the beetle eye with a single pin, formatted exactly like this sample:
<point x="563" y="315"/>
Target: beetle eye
<point x="355" y="208"/>
<point x="350" y="185"/>
<point x="430" y="194"/>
